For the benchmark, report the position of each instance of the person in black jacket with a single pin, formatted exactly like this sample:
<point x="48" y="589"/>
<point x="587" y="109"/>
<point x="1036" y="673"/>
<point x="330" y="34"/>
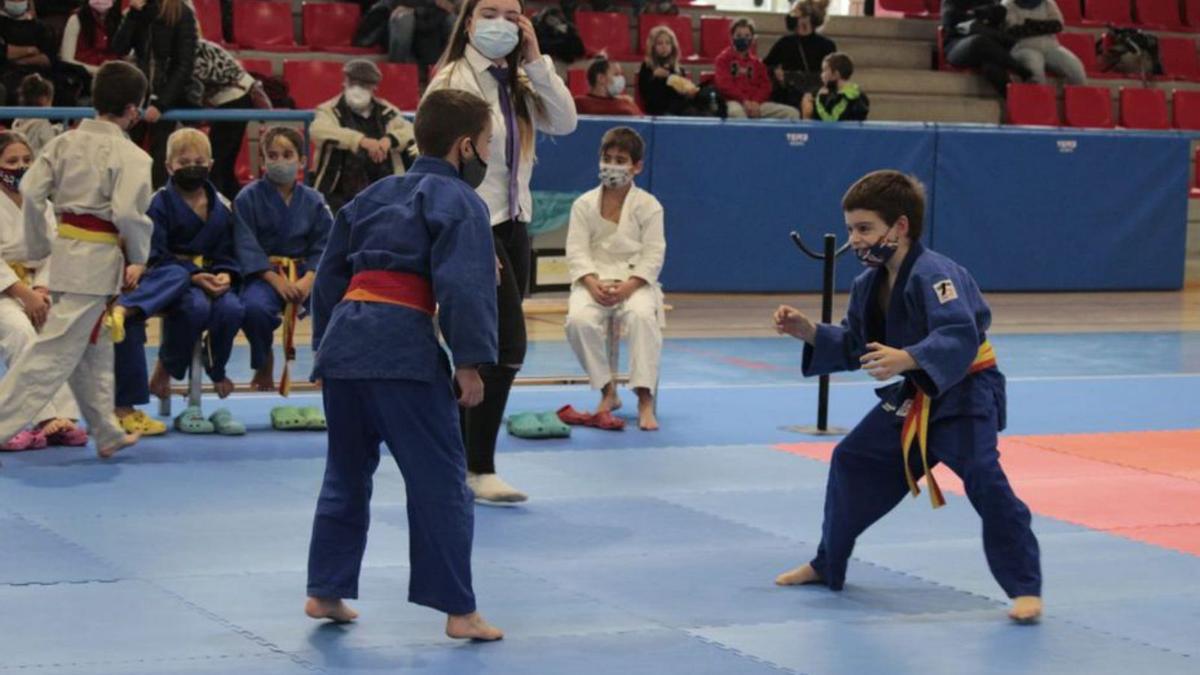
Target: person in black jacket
<point x="163" y="35"/>
<point x="974" y="37"/>
<point x="795" y="60"/>
<point x="663" y="87"/>
<point x="28" y="46"/>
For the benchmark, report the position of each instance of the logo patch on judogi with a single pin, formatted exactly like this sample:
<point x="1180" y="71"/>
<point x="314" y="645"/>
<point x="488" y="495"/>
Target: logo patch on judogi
<point x="945" y="291"/>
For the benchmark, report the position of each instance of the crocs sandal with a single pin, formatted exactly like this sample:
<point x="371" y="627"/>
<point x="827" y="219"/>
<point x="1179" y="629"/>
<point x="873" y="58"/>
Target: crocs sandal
<point x="555" y="428"/>
<point x="26" y="439"/>
<point x="287" y="418"/>
<point x="224" y="424"/>
<point x="191" y="421"/>
<point x="139" y="422"/>
<point x="314" y="418"/>
<point x="75" y="437"/>
<point x="570" y="415"/>
<point x="607" y="421"/>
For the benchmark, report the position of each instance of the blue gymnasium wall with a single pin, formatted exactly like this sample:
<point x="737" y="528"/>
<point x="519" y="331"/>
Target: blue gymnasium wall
<point x="1022" y="209"/>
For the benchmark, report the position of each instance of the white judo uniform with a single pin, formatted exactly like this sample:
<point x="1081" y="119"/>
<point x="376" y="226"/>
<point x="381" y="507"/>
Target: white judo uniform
<point x="634" y="247"/>
<point x="100" y="180"/>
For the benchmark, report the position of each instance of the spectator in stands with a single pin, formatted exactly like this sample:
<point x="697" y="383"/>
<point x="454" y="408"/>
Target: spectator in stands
<point x="54" y="13"/>
<point x="795" y="60"/>
<point x="663" y="86"/>
<point x="226" y="84"/>
<point x="163" y="35"/>
<point x="606" y="91"/>
<point x="743" y="81"/>
<point x="1034" y="23"/>
<point x="839" y="99"/>
<point x="974" y="37"/>
<point x="89" y="32"/>
<point x="36" y="92"/>
<point x="360" y="138"/>
<point x="412" y="30"/>
<point x="30" y="47"/>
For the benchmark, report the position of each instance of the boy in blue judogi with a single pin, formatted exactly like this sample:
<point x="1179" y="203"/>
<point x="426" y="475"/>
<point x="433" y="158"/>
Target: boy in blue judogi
<point x="190" y="280"/>
<point x="281" y="227"/>
<point x="404" y="245"/>
<point x="919" y="315"/>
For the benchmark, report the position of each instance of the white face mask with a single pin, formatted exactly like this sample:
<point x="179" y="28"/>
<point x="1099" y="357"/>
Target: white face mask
<point x="495" y="38"/>
<point x="616" y="85"/>
<point x="100" y="5"/>
<point x="615" y="175"/>
<point x="358" y="98"/>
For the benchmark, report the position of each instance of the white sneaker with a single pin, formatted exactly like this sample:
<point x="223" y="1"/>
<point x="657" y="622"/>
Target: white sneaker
<point x="491" y="489"/>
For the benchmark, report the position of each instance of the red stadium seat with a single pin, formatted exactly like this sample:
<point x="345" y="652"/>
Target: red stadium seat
<point x="1083" y="45"/>
<point x="241" y="165"/>
<point x="208" y="14"/>
<point x="312" y="82"/>
<point x="1088" y="107"/>
<point x="681" y="25"/>
<point x="1144" y="109"/>
<point x="1179" y="59"/>
<point x="906" y="7"/>
<point x="263" y="66"/>
<point x="1158" y="14"/>
<point x="577" y="81"/>
<point x="1191" y="14"/>
<point x="1072" y="14"/>
<point x="1187" y="109"/>
<point x="1032" y="105"/>
<point x="606" y="32"/>
<point x="330" y="26"/>
<point x="264" y="25"/>
<point x="1117" y="12"/>
<point x="714" y="35"/>
<point x="401" y="85"/>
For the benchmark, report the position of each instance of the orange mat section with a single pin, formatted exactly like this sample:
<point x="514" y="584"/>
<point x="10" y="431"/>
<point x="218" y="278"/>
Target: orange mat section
<point x="1138" y="485"/>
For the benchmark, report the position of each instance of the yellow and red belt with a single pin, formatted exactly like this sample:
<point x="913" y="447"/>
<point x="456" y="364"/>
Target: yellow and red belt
<point x="84" y="227"/>
<point x="24" y="274"/>
<point x="392" y="288"/>
<point x="197" y="260"/>
<point x="288" y="268"/>
<point x="916" y="428"/>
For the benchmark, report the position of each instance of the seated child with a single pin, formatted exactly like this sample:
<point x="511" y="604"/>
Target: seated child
<point x="615" y="249"/>
<point x="36" y="92"/>
<point x="839" y="99"/>
<point x="25" y="303"/>
<point x="281" y="226"/>
<point x="190" y="279"/>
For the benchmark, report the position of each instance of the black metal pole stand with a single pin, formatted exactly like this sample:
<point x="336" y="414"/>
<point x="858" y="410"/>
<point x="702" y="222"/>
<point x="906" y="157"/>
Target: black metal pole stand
<point x="828" y="258"/>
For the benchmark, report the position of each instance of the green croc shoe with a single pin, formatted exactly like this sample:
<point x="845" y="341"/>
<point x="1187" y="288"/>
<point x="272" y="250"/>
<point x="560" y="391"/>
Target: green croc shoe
<point x="191" y="421"/>
<point x="533" y="425"/>
<point x="287" y="418"/>
<point x="555" y="428"/>
<point x="314" y="418"/>
<point x="225" y="425"/>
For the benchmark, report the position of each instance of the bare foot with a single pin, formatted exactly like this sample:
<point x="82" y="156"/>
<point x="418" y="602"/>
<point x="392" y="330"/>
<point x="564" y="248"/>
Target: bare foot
<point x="472" y="627"/>
<point x="264" y="378"/>
<point x="647" y="420"/>
<point x="56" y="425"/>
<point x="336" y="610"/>
<point x="1026" y="609"/>
<point x="160" y="382"/>
<point x="127" y="440"/>
<point x="804" y="574"/>
<point x="224" y="387"/>
<point x="609" y="401"/>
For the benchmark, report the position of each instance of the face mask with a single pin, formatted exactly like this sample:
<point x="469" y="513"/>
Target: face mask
<point x="358" y="98"/>
<point x="1029" y="4"/>
<point x="190" y="177"/>
<point x="100" y="5"/>
<point x="495" y="38"/>
<point x="616" y="86"/>
<point x="15" y="9"/>
<point x="11" y="178"/>
<point x="472" y="170"/>
<point x="615" y="175"/>
<point x="282" y="173"/>
<point x="879" y="253"/>
<point x="742" y="44"/>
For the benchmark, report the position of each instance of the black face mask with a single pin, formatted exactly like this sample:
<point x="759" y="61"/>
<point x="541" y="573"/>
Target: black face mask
<point x="472" y="170"/>
<point x="190" y="177"/>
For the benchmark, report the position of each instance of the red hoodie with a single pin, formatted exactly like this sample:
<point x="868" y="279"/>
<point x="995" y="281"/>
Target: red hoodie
<point x="742" y="77"/>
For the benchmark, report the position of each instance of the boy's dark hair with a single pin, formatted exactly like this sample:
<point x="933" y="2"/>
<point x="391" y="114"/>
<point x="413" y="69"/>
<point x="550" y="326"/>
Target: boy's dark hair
<point x="891" y="194"/>
<point x="35" y="88"/>
<point x="742" y="22"/>
<point x="447" y="115"/>
<point x="623" y="138"/>
<point x="599" y="67"/>
<point x="116" y="86"/>
<point x="841" y="64"/>
<point x="289" y="134"/>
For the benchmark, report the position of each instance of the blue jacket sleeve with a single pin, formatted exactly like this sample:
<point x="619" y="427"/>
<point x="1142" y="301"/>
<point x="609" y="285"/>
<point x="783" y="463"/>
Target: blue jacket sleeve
<point x="838" y="348"/>
<point x="947" y="351"/>
<point x="318" y="236"/>
<point x="159" y="249"/>
<point x="333" y="276"/>
<point x="224" y="259"/>
<point x="463" y="267"/>
<point x="250" y="255"/>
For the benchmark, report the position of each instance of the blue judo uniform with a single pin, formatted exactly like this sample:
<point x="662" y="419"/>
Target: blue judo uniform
<point x="937" y="314"/>
<point x="180" y="236"/>
<point x="386" y="378"/>
<point x="266" y="227"/>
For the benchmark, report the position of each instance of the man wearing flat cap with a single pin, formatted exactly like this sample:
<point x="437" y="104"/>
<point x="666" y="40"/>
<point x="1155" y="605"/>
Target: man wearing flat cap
<point x="360" y="138"/>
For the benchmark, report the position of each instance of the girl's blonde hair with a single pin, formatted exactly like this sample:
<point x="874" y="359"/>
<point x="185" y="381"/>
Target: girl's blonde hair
<point x="188" y="138"/>
<point x="8" y="138"/>
<point x="652" y="58"/>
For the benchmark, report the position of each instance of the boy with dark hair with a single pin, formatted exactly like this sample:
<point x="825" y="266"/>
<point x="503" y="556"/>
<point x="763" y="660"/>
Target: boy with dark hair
<point x="839" y="99"/>
<point x="36" y="92"/>
<point x="606" y="91"/>
<point x="743" y="80"/>
<point x="918" y="315"/>
<point x="99" y="182"/>
<point x="402" y="247"/>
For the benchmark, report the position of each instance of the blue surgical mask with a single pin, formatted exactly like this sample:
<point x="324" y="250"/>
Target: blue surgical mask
<point x="495" y="38"/>
<point x="15" y="9"/>
<point x="877" y="254"/>
<point x="283" y="172"/>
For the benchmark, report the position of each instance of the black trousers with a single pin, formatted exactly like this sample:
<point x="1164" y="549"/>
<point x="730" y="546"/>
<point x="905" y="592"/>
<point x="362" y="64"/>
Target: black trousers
<point x="154" y="137"/>
<point x="481" y="424"/>
<point x="986" y="54"/>
<point x="226" y="139"/>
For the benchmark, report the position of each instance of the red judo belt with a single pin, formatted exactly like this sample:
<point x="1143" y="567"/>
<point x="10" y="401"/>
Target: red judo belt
<point x="916" y="428"/>
<point x="88" y="222"/>
<point x="392" y="288"/>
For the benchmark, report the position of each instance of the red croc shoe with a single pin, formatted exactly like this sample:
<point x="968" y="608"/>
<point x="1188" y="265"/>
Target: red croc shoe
<point x="607" y="421"/>
<point x="27" y="439"/>
<point x="570" y="415"/>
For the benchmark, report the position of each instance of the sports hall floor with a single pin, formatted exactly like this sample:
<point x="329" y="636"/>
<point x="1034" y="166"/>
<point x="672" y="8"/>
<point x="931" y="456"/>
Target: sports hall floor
<point x="653" y="552"/>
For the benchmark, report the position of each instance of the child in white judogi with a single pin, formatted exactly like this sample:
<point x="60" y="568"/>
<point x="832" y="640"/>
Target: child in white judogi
<point x="615" y="250"/>
<point x="100" y="184"/>
<point x="25" y="300"/>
